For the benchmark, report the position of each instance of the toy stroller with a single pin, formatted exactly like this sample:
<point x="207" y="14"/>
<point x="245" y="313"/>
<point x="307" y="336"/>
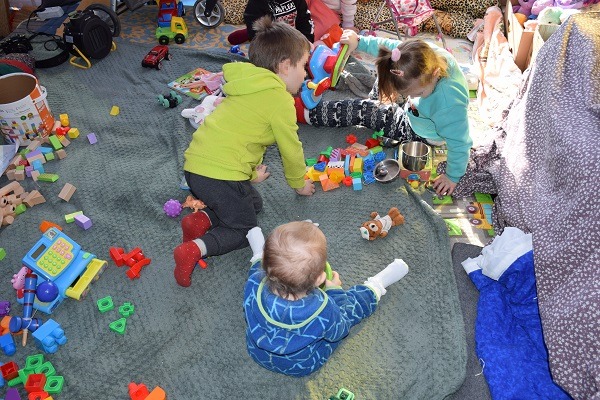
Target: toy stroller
<point x="209" y="13"/>
<point x="409" y="14"/>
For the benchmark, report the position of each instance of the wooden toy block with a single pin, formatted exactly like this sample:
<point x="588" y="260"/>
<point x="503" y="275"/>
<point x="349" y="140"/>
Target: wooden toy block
<point x="64" y="141"/>
<point x="10" y="174"/>
<point x="67" y="191"/>
<point x="92" y="138"/>
<point x="49" y="156"/>
<point x="71" y="217"/>
<point x="45" y="177"/>
<point x="64" y="119"/>
<point x="83" y="222"/>
<point x="114" y="111"/>
<point x="73" y="133"/>
<point x="35" y="175"/>
<point x="55" y="142"/>
<point x="34" y="144"/>
<point x="55" y="126"/>
<point x="61" y="154"/>
<point x="20" y="174"/>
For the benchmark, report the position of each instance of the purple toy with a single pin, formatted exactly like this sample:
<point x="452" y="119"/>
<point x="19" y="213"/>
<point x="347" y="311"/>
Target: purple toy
<point x="4" y="308"/>
<point x="172" y="208"/>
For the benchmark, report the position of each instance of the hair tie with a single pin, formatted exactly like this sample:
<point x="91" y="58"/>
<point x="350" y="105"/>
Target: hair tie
<point x="397" y="72"/>
<point x="396" y="54"/>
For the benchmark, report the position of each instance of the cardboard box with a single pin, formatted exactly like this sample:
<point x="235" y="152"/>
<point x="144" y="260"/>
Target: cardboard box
<point x="519" y="40"/>
<point x="541" y="34"/>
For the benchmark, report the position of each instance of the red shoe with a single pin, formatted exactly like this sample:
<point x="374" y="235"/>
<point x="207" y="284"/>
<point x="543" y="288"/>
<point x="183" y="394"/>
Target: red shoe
<point x="186" y="256"/>
<point x="195" y="225"/>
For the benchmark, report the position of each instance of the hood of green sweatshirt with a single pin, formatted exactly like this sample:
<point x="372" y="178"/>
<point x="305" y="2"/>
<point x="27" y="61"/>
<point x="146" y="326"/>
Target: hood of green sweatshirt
<point x="245" y="78"/>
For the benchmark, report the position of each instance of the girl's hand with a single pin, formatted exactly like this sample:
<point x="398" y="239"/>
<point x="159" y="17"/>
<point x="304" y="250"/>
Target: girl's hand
<point x="350" y="38"/>
<point x="307" y="190"/>
<point x="335" y="280"/>
<point x="443" y="186"/>
<point x="261" y="173"/>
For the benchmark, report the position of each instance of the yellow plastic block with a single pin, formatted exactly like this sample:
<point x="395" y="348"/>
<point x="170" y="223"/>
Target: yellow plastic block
<point x="336" y="175"/>
<point x="64" y="119"/>
<point x="358" y="165"/>
<point x="114" y="110"/>
<point x="314" y="175"/>
<point x="73" y="133"/>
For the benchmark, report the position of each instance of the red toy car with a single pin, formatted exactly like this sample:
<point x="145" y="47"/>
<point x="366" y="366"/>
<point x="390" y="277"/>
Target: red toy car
<point x="154" y="58"/>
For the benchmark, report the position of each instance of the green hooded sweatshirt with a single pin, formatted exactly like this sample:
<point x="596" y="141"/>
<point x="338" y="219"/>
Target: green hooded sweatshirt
<point x="257" y="112"/>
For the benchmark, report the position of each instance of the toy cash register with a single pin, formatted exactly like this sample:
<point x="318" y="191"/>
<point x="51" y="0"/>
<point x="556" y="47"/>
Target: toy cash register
<point x="57" y="258"/>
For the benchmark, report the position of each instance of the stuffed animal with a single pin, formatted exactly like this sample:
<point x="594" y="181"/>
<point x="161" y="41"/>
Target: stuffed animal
<point x="379" y="226"/>
<point x="196" y="115"/>
<point x="524" y="7"/>
<point x="550" y="15"/>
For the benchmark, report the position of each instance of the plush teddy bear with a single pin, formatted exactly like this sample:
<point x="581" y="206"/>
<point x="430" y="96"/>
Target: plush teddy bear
<point x="379" y="226"/>
<point x="550" y="15"/>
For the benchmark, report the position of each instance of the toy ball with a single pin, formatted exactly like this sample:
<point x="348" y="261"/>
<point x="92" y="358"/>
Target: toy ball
<point x="172" y="208"/>
<point x="46" y="291"/>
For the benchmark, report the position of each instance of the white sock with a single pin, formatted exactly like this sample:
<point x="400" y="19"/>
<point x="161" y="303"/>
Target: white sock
<point x="257" y="243"/>
<point x="390" y="274"/>
<point x="201" y="245"/>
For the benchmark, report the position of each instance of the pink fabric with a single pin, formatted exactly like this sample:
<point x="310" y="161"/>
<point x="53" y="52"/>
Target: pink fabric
<point x="411" y="12"/>
<point x="322" y="16"/>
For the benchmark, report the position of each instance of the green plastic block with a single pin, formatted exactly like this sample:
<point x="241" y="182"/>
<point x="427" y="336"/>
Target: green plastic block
<point x="56" y="144"/>
<point x="126" y="309"/>
<point x="45" y="177"/>
<point x="105" y="304"/>
<point x="119" y="325"/>
<point x="33" y="362"/>
<point x="49" y="156"/>
<point x="54" y="384"/>
<point x="2" y="253"/>
<point x="71" y="217"/>
<point x="47" y="369"/>
<point x="20" y="209"/>
<point x="310" y="162"/>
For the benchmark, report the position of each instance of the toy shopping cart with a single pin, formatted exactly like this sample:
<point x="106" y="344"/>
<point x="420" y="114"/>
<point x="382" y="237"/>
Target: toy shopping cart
<point x="408" y="15"/>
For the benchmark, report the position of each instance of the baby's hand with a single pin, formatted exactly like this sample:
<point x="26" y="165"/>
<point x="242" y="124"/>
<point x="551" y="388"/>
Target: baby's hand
<point x="335" y="280"/>
<point x="443" y="185"/>
<point x="261" y="173"/>
<point x="350" y="38"/>
<point x="307" y="190"/>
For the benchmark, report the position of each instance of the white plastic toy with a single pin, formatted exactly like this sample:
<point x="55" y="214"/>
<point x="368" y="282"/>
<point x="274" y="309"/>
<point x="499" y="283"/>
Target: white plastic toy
<point x="196" y="115"/>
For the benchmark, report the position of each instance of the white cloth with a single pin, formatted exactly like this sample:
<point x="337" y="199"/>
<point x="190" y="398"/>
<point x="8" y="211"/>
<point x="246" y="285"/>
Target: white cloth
<point x="345" y="7"/>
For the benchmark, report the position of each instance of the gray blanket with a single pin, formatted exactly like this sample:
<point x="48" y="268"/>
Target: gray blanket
<point x="191" y="341"/>
<point x="543" y="163"/>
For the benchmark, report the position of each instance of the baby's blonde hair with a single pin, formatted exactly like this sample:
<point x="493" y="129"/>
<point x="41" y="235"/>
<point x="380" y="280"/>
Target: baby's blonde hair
<point x="417" y="61"/>
<point x="294" y="256"/>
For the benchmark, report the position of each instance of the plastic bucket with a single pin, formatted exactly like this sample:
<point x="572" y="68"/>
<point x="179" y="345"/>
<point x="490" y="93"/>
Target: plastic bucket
<point x="24" y="111"/>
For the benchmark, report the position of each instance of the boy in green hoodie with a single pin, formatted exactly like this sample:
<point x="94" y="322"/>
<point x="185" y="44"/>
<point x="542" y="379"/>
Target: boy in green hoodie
<point x="225" y="154"/>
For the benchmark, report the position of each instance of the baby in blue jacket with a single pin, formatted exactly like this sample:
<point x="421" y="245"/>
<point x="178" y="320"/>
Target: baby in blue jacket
<point x="293" y="325"/>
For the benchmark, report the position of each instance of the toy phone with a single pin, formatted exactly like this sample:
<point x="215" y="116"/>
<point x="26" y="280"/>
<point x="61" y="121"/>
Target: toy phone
<point x="52" y="254"/>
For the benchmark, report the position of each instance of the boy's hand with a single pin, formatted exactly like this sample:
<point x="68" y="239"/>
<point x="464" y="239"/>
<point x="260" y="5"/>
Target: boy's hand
<point x="443" y="186"/>
<point x="307" y="190"/>
<point x="335" y="280"/>
<point x="350" y="38"/>
<point x="261" y="173"/>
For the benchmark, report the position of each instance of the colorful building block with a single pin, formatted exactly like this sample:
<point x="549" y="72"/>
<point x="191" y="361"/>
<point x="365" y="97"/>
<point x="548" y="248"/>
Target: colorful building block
<point x="114" y="111"/>
<point x="4" y="306"/>
<point x="73" y="133"/>
<point x="83" y="222"/>
<point x="119" y="325"/>
<point x="2" y="253"/>
<point x="9" y="370"/>
<point x="105" y="304"/>
<point x="12" y="394"/>
<point x="71" y="217"/>
<point x="92" y="138"/>
<point x="35" y="383"/>
<point x="7" y="344"/>
<point x="64" y="119"/>
<point x="67" y="191"/>
<point x="49" y="336"/>
<point x="54" y="384"/>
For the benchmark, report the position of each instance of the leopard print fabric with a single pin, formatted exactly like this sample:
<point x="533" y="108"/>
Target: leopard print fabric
<point x="234" y="11"/>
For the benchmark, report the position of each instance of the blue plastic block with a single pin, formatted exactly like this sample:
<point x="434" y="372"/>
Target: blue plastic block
<point x="49" y="336"/>
<point x="7" y="344"/>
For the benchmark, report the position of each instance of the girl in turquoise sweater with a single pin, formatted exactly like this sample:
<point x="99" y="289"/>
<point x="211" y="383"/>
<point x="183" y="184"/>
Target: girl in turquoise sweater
<point x="434" y="111"/>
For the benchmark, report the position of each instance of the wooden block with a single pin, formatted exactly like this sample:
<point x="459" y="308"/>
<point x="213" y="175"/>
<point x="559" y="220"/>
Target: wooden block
<point x="67" y="191"/>
<point x="34" y="199"/>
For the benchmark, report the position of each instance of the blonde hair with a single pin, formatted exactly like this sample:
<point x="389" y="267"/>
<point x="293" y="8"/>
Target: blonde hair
<point x="417" y="61"/>
<point x="275" y="42"/>
<point x="294" y="256"/>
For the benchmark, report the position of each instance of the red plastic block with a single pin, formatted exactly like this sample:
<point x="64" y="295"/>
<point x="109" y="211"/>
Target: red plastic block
<point x="157" y="394"/>
<point x="35" y="383"/>
<point x="9" y="370"/>
<point x="40" y="395"/>
<point x="138" y="392"/>
<point x="116" y="253"/>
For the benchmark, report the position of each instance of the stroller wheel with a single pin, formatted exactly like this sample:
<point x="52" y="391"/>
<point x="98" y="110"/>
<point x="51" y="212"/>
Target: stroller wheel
<point x="209" y="13"/>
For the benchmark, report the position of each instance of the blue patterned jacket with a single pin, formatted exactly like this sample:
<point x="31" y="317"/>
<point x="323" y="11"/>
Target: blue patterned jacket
<point x="297" y="337"/>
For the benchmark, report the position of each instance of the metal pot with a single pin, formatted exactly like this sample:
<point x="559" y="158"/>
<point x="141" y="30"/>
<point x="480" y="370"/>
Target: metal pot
<point x="414" y="155"/>
<point x="386" y="170"/>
